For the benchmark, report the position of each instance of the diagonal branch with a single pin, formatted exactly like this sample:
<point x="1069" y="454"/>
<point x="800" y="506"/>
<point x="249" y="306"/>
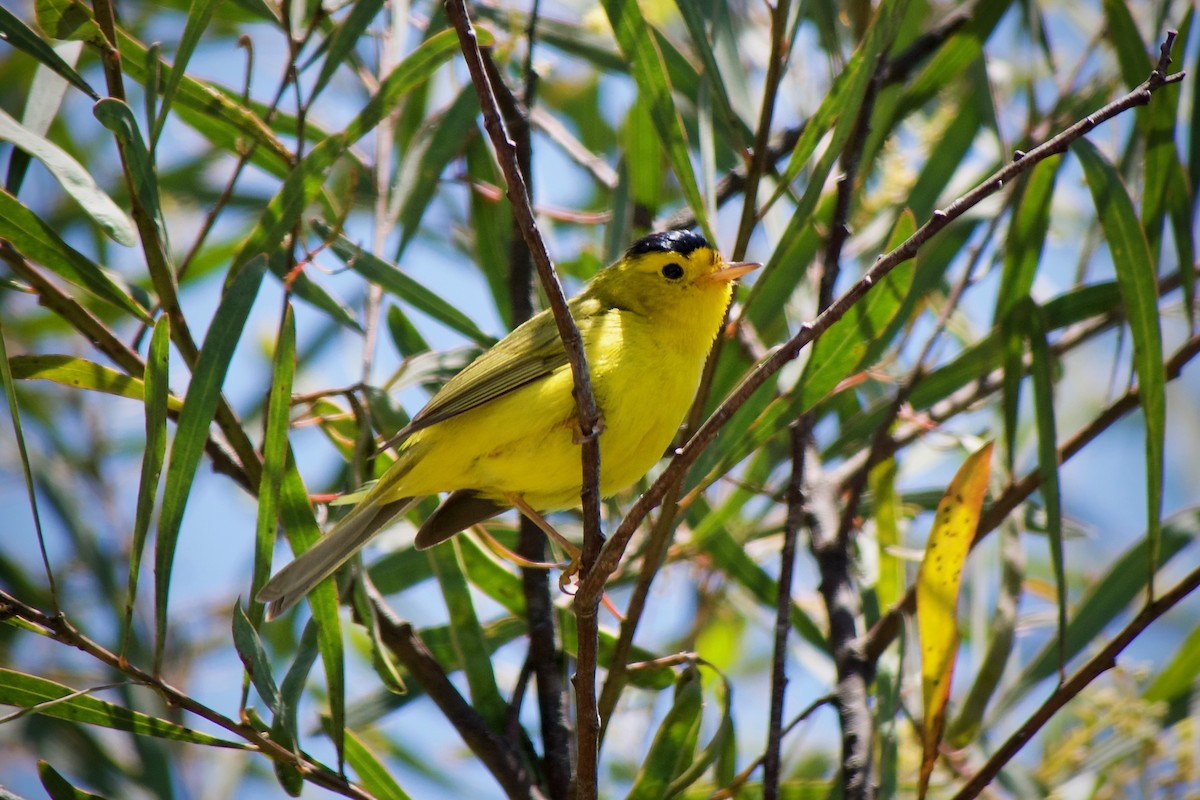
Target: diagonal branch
<point x="592" y="585"/>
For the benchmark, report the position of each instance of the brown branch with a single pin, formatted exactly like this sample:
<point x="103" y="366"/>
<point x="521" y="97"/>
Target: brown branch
<point x="544" y="658"/>
<point x="1096" y="666"/>
<point x="588" y="724"/>
<point x="592" y="584"/>
<point x="828" y="541"/>
<point x="58" y="628"/>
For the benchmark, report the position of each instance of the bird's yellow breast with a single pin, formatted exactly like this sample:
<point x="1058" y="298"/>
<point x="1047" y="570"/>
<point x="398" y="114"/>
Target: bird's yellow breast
<point x="644" y="377"/>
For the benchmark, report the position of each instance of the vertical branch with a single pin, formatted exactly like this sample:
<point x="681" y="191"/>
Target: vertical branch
<point x="829" y="545"/>
<point x="544" y="658"/>
<point x="800" y="433"/>
<point x="593" y="540"/>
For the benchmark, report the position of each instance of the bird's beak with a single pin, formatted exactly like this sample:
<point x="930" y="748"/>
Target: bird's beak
<point x="729" y="272"/>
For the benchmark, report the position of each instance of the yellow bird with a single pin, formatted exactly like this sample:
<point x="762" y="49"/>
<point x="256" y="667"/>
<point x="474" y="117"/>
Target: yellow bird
<point x="503" y="432"/>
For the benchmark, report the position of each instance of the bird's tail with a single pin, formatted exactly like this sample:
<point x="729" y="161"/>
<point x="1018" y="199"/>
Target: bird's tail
<point x="314" y="565"/>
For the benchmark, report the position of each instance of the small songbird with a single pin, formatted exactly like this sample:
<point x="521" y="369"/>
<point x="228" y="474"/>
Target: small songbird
<point x="504" y="433"/>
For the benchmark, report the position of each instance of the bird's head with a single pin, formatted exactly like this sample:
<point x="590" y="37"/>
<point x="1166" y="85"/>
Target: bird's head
<point x="671" y="272"/>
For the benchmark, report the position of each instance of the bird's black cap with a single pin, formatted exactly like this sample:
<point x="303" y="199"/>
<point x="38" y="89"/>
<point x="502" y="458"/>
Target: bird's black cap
<point x="677" y="241"/>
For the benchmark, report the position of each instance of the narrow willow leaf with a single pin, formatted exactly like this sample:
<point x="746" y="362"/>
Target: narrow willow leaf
<point x="27" y="691"/>
<point x="956" y="54"/>
<point x="1026" y="237"/>
<point x="14" y="412"/>
<point x="408" y="340"/>
<point x="339" y="45"/>
<point x="275" y="450"/>
<point x="79" y="373"/>
<point x="1178" y="677"/>
<point x="835" y="113"/>
<point x="195" y="418"/>
<point x="469" y="639"/>
<point x="371" y="772"/>
<point x="21" y="36"/>
<point x="938" y="582"/>
<point x="302" y="530"/>
<point x="649" y="72"/>
<point x="1042" y="371"/>
<point x="694" y="770"/>
<point x="674" y="742"/>
<point x="58" y="787"/>
<point x="155" y="395"/>
<point x="436" y="144"/>
<point x="1139" y="291"/>
<point x="1122" y="33"/>
<point x="118" y="118"/>
<point x="38" y="242"/>
<point x="199" y="15"/>
<point x="885" y="510"/>
<point x="411" y="291"/>
<point x="1001" y="632"/>
<point x="42" y="104"/>
<point x="284" y="724"/>
<point x="254" y="658"/>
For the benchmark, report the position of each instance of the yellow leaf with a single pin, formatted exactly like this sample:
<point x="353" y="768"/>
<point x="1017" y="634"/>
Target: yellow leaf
<point x="937" y="594"/>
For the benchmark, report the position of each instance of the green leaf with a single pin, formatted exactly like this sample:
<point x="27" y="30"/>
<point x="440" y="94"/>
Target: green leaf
<point x="254" y="658"/>
<point x="14" y="412"/>
<point x="390" y="278"/>
<point x="52" y="699"/>
<point x="372" y="773"/>
<point x="118" y="118"/>
<point x="1121" y="31"/>
<point x="1042" y="371"/>
<point x="38" y="242"/>
<point x="1178" y="678"/>
<point x="649" y="71"/>
<point x="79" y="373"/>
<point x="155" y="394"/>
<point x="199" y="15"/>
<point x="437" y="142"/>
<point x="302" y="531"/>
<point x="339" y="45"/>
<point x="21" y="36"/>
<point x="469" y="640"/>
<point x="58" y="787"/>
<point x="674" y="743"/>
<point x="275" y="452"/>
<point x="1139" y="291"/>
<point x="284" y="724"/>
<point x="195" y="418"/>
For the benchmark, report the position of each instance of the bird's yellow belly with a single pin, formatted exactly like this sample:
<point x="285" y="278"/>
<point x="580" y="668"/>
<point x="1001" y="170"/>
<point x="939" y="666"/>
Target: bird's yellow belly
<point x="524" y="442"/>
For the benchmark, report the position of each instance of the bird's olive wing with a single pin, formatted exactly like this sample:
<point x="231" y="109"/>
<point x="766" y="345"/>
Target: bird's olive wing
<point x="530" y="352"/>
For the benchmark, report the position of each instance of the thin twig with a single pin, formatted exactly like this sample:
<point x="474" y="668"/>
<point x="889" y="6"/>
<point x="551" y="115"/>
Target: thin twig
<point x="1096" y="666"/>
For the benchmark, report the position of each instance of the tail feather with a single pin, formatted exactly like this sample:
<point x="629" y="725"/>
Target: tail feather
<point x="314" y="565"/>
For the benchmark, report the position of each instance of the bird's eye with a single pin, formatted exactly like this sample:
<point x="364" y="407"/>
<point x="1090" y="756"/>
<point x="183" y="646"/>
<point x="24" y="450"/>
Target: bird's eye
<point x="672" y="271"/>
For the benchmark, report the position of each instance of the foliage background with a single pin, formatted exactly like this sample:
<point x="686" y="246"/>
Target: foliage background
<point x="959" y="89"/>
